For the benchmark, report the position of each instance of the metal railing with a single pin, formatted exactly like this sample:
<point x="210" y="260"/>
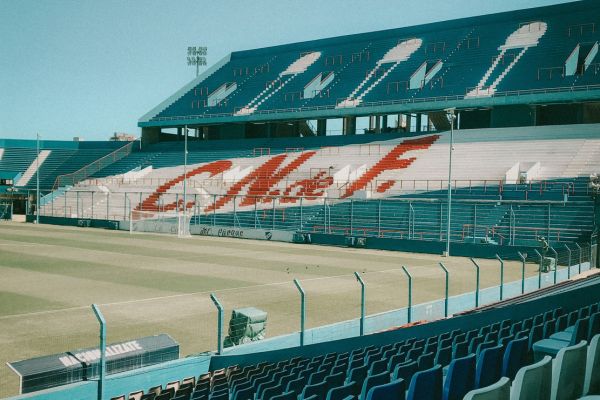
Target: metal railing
<point x="503" y="222"/>
<point x="90" y="169"/>
<point x="508" y="93"/>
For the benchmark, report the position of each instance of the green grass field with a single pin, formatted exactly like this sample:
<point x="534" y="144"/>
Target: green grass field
<point x="148" y="284"/>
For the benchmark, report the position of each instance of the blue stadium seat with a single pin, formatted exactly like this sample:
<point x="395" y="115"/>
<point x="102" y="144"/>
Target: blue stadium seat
<point x="372" y="381"/>
<point x="393" y="390"/>
<point x="515" y="356"/>
<point x="533" y="382"/>
<point x="342" y="392"/>
<point x="460" y="378"/>
<point x="562" y="339"/>
<point x="489" y="367"/>
<point x="426" y="384"/>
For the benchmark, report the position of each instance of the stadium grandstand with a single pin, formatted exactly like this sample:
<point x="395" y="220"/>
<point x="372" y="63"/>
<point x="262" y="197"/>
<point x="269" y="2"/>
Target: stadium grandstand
<point x="482" y="143"/>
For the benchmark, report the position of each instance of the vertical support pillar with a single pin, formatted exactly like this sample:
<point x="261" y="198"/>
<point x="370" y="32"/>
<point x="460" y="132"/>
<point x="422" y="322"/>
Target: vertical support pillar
<point x="568" y="261"/>
<point x="219" y="306"/>
<point x="302" y="310"/>
<point x="301" y="214"/>
<point x="419" y="122"/>
<point x="523" y="260"/>
<point x="409" y="308"/>
<point x="321" y="127"/>
<point x="555" y="263"/>
<point x="214" y="209"/>
<point x="273" y="212"/>
<point x="580" y="254"/>
<point x="540" y="269"/>
<point x="384" y="123"/>
<point x="476" y="282"/>
<point x="362" y="303"/>
<point x="351" y="216"/>
<point x="377" y="123"/>
<point x="349" y="126"/>
<point x="102" y="366"/>
<point x="445" y="290"/>
<point x="501" y="276"/>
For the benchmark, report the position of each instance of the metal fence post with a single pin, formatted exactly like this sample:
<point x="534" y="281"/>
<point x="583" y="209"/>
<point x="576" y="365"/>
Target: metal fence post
<point x="523" y="260"/>
<point x="446" y="290"/>
<point x="540" y="269"/>
<point x="476" y="282"/>
<point x="409" y="308"/>
<point x="555" y="263"/>
<point x="102" y="366"/>
<point x="301" y="213"/>
<point x="219" y="306"/>
<point x="569" y="261"/>
<point x="214" y="209"/>
<point x="501" y="277"/>
<point x="580" y="252"/>
<point x="302" y="310"/>
<point x="273" y="212"/>
<point x="362" y="303"/>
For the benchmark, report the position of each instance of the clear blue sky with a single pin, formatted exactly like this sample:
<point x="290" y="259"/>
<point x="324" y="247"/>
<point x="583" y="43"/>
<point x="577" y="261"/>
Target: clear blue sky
<point x="92" y="67"/>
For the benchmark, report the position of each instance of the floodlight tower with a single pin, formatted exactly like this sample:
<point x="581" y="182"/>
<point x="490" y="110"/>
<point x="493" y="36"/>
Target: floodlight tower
<point x="196" y="55"/>
<point x="37" y="181"/>
<point x="451" y="117"/>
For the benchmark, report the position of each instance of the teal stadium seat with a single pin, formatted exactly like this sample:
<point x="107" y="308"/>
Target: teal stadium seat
<point x="497" y="391"/>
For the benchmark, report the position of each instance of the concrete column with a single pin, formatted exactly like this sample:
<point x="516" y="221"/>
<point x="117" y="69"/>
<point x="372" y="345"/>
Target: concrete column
<point x="296" y="128"/>
<point x="384" y="122"/>
<point x="179" y="133"/>
<point x="349" y="127"/>
<point x="372" y="122"/>
<point x="419" y="122"/>
<point x="321" y="127"/>
<point x="408" y="122"/>
<point x="377" y="124"/>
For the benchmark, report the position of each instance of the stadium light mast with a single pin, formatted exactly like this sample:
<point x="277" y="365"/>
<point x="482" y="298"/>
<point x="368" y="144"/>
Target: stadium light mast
<point x="196" y="55"/>
<point x="37" y="180"/>
<point x="185" y="155"/>
<point x="451" y="117"/>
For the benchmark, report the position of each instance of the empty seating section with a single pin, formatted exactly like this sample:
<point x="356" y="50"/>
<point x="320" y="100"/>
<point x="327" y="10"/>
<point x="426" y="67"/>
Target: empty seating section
<point x="495" y="361"/>
<point x="521" y="50"/>
<point x="342" y="185"/>
<point x="56" y="158"/>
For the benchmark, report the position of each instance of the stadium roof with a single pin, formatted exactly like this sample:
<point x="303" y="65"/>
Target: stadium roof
<point x="539" y="55"/>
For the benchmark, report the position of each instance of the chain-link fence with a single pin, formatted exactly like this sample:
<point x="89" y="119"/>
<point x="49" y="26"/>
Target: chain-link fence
<point x="504" y="222"/>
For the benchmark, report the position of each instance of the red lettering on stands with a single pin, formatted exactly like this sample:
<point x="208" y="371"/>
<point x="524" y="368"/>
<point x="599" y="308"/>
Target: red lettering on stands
<point x="391" y="161"/>
<point x="151" y="202"/>
<point x="261" y="180"/>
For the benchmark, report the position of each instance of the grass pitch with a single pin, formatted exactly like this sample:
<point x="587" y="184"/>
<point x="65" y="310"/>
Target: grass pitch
<point x="147" y="284"/>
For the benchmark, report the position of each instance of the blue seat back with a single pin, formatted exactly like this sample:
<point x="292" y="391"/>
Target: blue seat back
<point x="515" y="356"/>
<point x="460" y="378"/>
<point x="581" y="331"/>
<point x="489" y="367"/>
<point x="393" y="390"/>
<point x="374" y="380"/>
<point x="341" y="392"/>
<point x="405" y="371"/>
<point x="426" y="384"/>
